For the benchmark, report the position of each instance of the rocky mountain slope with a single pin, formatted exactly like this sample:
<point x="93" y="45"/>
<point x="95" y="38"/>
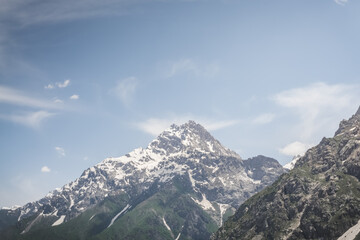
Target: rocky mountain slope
<point x="182" y="186"/>
<point x="318" y="199"/>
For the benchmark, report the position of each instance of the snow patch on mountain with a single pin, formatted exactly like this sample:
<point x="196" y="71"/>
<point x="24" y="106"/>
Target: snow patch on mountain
<point x="223" y="208"/>
<point x="351" y="233"/>
<point x="12" y="208"/>
<point x="204" y="203"/>
<point x="59" y="221"/>
<point x="178" y="236"/>
<point x="166" y="225"/>
<point x="127" y="207"/>
<point x="291" y="165"/>
<point x="91" y="217"/>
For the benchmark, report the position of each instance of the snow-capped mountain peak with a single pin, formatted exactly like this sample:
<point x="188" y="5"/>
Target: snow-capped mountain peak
<point x="190" y="136"/>
<point x="217" y="177"/>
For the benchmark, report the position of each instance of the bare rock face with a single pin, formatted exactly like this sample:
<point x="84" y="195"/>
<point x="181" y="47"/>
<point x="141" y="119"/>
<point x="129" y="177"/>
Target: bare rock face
<point x="209" y="180"/>
<point x="318" y="199"/>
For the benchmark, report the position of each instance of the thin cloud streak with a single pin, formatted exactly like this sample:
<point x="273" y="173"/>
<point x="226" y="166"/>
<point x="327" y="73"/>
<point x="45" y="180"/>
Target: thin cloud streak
<point x="216" y="125"/>
<point x="30" y="119"/>
<point x="15" y="97"/>
<point x="341" y="2"/>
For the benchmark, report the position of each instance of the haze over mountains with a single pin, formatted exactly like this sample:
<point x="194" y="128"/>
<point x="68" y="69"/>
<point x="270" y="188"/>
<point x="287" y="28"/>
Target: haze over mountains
<point x="184" y="185"/>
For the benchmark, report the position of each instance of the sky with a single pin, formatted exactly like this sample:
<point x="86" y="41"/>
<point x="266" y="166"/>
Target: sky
<point x="84" y="80"/>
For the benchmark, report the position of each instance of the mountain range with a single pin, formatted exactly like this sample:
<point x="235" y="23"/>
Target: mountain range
<point x="184" y="185"/>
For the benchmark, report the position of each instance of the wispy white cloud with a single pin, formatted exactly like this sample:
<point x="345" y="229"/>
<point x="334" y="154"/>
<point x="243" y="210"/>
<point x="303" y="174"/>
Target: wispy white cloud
<point x="125" y="89"/>
<point x="155" y="126"/>
<point x="12" y="96"/>
<point x="295" y="148"/>
<point x="319" y="105"/>
<point x="188" y="65"/>
<point x="213" y="125"/>
<point x="264" y="118"/>
<point x="45" y="169"/>
<point x="30" y="119"/>
<point x="60" y="151"/>
<point x="49" y="86"/>
<point x="74" y="97"/>
<point x="341" y="2"/>
<point x="63" y="84"/>
<point x="58" y="101"/>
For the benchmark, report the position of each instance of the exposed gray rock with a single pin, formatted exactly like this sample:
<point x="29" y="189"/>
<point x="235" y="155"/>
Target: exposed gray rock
<point x="318" y="199"/>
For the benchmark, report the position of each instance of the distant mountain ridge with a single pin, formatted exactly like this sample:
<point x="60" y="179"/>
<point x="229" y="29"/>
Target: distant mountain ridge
<point x="183" y="185"/>
<point x="318" y="199"/>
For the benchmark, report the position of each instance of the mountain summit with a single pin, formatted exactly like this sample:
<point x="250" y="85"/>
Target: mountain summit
<point x="183" y="185"/>
<point x="189" y="137"/>
<point x="318" y="199"/>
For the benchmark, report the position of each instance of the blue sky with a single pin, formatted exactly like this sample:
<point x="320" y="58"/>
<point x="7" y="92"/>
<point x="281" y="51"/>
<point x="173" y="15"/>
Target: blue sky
<point x="82" y="81"/>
